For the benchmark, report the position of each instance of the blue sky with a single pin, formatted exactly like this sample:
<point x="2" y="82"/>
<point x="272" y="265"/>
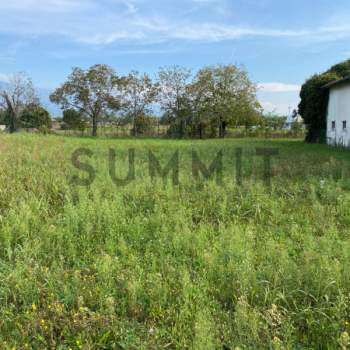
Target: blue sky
<point x="281" y="43"/>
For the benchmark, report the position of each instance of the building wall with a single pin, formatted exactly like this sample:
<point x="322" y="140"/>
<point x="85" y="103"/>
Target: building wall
<point x="339" y="111"/>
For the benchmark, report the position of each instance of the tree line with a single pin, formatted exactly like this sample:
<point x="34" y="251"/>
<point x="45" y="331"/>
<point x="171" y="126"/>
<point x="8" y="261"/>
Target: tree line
<point x="204" y="104"/>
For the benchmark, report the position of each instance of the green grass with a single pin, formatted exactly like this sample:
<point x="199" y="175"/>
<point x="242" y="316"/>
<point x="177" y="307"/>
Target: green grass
<point x="152" y="266"/>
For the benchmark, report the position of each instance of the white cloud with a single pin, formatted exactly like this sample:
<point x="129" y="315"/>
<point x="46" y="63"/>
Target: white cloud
<point x="4" y="78"/>
<point x="277" y="108"/>
<point x="105" y="22"/>
<point x="279" y="87"/>
<point x="50" y="6"/>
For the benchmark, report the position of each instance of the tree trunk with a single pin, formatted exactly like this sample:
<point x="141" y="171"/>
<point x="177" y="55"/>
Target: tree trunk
<point x="94" y="126"/>
<point x="200" y="130"/>
<point x="224" y="124"/>
<point x="181" y="129"/>
<point x="13" y="115"/>
<point x="12" y="126"/>
<point x="222" y="129"/>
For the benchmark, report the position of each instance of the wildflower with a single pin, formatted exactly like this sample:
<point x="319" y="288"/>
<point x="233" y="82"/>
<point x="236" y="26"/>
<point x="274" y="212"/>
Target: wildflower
<point x="277" y="343"/>
<point x="344" y="340"/>
<point x="33" y="307"/>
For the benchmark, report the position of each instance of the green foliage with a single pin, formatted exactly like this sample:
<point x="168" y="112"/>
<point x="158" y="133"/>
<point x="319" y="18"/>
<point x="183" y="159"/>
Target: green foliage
<point x="217" y="98"/>
<point x="35" y="116"/>
<point x="90" y="92"/>
<point x="138" y="93"/>
<point x="73" y="120"/>
<point x="226" y="96"/>
<point x="18" y="93"/>
<point x="143" y="124"/>
<point x="314" y="104"/>
<point x="297" y="128"/>
<point x="274" y="122"/>
<point x="149" y="266"/>
<point x="314" y="100"/>
<point x="4" y="117"/>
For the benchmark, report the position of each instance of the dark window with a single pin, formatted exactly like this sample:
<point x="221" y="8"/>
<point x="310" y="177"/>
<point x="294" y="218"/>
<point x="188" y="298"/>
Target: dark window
<point x="333" y="125"/>
<point x="344" y="124"/>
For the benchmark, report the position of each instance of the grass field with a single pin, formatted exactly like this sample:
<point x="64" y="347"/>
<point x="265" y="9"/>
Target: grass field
<point x="156" y="266"/>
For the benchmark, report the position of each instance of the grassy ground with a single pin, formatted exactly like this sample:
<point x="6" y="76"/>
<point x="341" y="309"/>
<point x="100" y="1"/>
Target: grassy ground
<point x="153" y="266"/>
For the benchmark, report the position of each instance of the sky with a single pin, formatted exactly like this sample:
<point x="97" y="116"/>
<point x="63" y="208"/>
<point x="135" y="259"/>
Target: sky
<point x="280" y="43"/>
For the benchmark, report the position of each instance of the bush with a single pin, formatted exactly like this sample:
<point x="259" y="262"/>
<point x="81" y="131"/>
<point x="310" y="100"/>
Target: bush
<point x="35" y="116"/>
<point x="73" y="120"/>
<point x="143" y="125"/>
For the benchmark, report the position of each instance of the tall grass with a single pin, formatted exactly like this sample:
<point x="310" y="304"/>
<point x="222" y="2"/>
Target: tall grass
<point x="152" y="266"/>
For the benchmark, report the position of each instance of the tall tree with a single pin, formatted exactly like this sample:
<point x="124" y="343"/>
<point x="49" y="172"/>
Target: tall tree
<point x="228" y="95"/>
<point x="314" y="101"/>
<point x="173" y="97"/>
<point x="92" y="92"/>
<point x="138" y="94"/>
<point x="14" y="96"/>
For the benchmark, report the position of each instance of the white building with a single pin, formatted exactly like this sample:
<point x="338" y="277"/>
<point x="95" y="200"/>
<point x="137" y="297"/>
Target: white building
<point x="338" y="115"/>
<point x="293" y="118"/>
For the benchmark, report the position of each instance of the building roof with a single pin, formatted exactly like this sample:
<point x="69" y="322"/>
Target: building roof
<point x="337" y="82"/>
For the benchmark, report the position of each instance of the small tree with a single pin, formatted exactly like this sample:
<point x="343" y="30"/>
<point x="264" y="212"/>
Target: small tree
<point x="173" y="97"/>
<point x="228" y="95"/>
<point x="93" y="92"/>
<point x="35" y="116"/>
<point x="14" y="97"/>
<point x="138" y="93"/>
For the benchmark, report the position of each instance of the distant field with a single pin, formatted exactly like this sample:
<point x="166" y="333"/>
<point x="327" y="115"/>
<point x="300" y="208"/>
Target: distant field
<point x="156" y="266"/>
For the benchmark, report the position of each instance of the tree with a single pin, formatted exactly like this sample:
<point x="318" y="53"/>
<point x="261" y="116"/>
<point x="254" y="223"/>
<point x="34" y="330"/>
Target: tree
<point x="14" y="96"/>
<point x="73" y="119"/>
<point x="228" y="95"/>
<point x="199" y="96"/>
<point x="314" y="101"/>
<point x="173" y="98"/>
<point x="313" y="105"/>
<point x="35" y="116"/>
<point x="93" y="92"/>
<point x="138" y="93"/>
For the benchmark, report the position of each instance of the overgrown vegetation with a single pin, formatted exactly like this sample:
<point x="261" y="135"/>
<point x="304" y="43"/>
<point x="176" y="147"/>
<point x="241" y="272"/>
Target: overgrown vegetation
<point x="20" y="106"/>
<point x="197" y="266"/>
<point x="314" y="100"/>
